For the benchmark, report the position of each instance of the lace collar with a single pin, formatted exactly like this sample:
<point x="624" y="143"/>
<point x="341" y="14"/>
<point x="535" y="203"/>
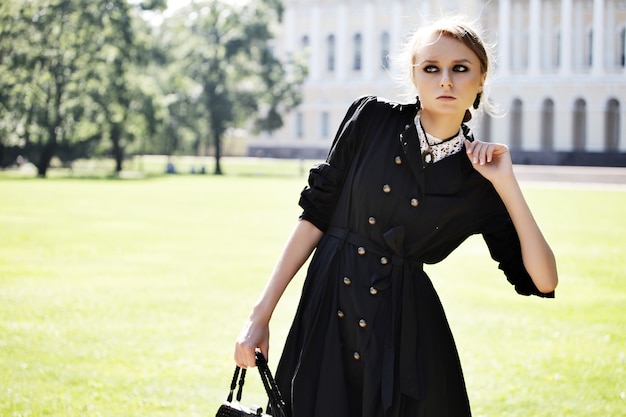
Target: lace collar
<point x="434" y="149"/>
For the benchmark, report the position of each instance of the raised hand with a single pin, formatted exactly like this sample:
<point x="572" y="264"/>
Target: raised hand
<point x="491" y="160"/>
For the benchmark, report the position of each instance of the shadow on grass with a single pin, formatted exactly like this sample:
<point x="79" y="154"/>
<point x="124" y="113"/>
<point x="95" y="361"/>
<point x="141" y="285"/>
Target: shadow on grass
<point x="142" y="176"/>
<point x="235" y="167"/>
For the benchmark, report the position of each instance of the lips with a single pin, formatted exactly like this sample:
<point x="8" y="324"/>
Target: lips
<point x="446" y="98"/>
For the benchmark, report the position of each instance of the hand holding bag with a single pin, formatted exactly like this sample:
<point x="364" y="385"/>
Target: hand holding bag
<point x="276" y="405"/>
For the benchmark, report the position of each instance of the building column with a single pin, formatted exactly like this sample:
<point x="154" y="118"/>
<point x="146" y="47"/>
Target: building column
<point x="343" y="51"/>
<point x="395" y="36"/>
<point x="371" y="49"/>
<point x="504" y="37"/>
<point x="517" y="39"/>
<point x="609" y="47"/>
<point x="597" y="63"/>
<point x="548" y="48"/>
<point x="534" y="43"/>
<point x="290" y="38"/>
<point x="565" y="51"/>
<point x="595" y="117"/>
<point x="316" y="38"/>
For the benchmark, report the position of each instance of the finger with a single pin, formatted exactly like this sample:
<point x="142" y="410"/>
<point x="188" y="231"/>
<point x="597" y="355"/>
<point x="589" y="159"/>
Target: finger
<point x="265" y="351"/>
<point x="489" y="153"/>
<point x="482" y="158"/>
<point x="471" y="148"/>
<point x="239" y="356"/>
<point x="477" y="152"/>
<point x="244" y="356"/>
<point x="249" y="358"/>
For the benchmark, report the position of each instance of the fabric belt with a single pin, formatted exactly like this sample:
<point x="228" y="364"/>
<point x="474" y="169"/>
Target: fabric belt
<point x="400" y="350"/>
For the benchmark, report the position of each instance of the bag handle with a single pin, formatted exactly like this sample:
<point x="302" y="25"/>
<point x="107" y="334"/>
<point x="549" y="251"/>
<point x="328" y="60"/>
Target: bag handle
<point x="276" y="405"/>
<point x="233" y="384"/>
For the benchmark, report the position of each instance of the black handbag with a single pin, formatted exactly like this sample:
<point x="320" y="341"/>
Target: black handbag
<point x="276" y="405"/>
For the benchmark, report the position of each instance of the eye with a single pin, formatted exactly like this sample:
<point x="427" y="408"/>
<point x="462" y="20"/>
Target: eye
<point x="460" y="68"/>
<point x="431" y="68"/>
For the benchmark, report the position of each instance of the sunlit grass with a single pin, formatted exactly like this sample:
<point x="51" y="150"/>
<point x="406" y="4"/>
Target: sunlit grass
<point x="124" y="297"/>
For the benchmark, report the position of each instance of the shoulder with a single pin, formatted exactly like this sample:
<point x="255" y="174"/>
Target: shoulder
<point x="384" y="103"/>
<point x="379" y="107"/>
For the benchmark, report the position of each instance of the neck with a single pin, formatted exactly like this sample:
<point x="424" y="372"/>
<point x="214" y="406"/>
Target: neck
<point x="441" y="126"/>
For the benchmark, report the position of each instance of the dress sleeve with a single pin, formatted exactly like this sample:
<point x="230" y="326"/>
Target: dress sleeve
<point x="319" y="197"/>
<point x="504" y="247"/>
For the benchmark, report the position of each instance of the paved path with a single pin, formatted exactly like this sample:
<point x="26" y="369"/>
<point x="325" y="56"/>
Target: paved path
<point x="606" y="177"/>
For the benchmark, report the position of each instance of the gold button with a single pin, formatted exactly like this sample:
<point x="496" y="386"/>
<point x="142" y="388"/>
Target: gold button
<point x="384" y="260"/>
<point x="361" y="250"/>
<point x="386" y="188"/>
<point x="340" y="314"/>
<point x="362" y="323"/>
<point x="415" y="202"/>
<point x="372" y="220"/>
<point x="347" y="281"/>
<point x="373" y="291"/>
<point x="357" y="356"/>
<point x="398" y="160"/>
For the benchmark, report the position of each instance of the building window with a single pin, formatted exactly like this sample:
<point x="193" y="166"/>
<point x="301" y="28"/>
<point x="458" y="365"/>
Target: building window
<point x="559" y="52"/>
<point x="547" y="125"/>
<point x="324" y="125"/>
<point x="580" y="125"/>
<point x="358" y="52"/>
<point x="555" y="50"/>
<point x="589" y="48"/>
<point x="384" y="50"/>
<point x="611" y="125"/>
<point x="330" y="53"/>
<point x="516" y="124"/>
<point x="622" y="48"/>
<point x="299" y="125"/>
<point x="549" y="35"/>
<point x="305" y="50"/>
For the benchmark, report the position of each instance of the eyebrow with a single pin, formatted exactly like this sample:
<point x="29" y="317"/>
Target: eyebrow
<point x="434" y="61"/>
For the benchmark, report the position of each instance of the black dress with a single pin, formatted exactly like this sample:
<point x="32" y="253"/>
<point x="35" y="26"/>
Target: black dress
<point x="370" y="337"/>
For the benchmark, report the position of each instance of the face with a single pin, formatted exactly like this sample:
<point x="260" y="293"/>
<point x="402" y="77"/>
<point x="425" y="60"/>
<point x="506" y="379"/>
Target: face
<point x="447" y="75"/>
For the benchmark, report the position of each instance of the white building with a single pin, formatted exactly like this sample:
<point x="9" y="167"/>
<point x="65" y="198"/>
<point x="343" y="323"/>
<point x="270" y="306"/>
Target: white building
<point x="560" y="76"/>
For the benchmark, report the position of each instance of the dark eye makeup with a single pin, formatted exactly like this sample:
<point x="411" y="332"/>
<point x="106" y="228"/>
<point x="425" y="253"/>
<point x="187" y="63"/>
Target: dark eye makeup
<point x="456" y="68"/>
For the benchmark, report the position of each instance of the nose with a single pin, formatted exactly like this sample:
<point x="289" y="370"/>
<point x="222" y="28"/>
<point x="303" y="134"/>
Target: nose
<point x="446" y="81"/>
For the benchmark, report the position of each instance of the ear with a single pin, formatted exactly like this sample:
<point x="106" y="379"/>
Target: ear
<point x="483" y="78"/>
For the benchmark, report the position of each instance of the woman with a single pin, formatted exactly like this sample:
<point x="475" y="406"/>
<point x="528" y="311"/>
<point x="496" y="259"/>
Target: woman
<point x="403" y="185"/>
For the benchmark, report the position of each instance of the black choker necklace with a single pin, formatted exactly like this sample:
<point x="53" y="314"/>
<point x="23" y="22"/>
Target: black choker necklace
<point x="427" y="154"/>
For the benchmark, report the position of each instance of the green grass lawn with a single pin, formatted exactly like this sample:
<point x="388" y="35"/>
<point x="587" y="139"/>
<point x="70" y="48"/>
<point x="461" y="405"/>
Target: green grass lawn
<point x="124" y="297"/>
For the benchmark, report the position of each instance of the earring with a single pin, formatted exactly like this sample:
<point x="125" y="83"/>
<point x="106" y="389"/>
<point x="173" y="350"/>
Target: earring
<point x="418" y="103"/>
<point x="477" y="101"/>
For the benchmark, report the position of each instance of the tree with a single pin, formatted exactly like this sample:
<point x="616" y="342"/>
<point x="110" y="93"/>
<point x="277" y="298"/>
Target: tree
<point x="227" y="52"/>
<point x="62" y="62"/>
<point x="120" y="93"/>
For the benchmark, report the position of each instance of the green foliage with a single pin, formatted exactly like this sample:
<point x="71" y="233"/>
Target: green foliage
<point x="64" y="74"/>
<point x="81" y="78"/>
<point x="226" y="50"/>
<point x="124" y="297"/>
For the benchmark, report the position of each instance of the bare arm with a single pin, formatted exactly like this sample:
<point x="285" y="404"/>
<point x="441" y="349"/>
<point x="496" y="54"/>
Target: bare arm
<point x="255" y="333"/>
<point x="493" y="161"/>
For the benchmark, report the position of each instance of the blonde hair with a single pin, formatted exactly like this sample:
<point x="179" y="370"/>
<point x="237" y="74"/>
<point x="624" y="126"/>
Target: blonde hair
<point x="456" y="27"/>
